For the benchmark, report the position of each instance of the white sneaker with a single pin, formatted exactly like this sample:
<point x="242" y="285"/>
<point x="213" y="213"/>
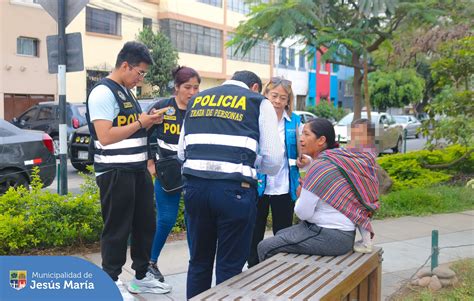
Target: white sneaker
<point x="363" y="247"/>
<point x="123" y="291"/>
<point x="149" y="284"/>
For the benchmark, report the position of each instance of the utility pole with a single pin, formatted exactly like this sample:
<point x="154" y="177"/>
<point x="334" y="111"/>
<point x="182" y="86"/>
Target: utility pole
<point x="62" y="96"/>
<point x="64" y="52"/>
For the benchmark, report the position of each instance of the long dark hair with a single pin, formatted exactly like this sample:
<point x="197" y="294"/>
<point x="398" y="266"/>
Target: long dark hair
<point x="182" y="74"/>
<point x="322" y="127"/>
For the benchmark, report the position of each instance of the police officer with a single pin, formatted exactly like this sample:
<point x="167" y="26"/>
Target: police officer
<point x="118" y="128"/>
<point x="229" y="133"/>
<point x="186" y="84"/>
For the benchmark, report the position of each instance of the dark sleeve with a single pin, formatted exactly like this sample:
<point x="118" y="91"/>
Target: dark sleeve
<point x="151" y="133"/>
<point x="157" y="105"/>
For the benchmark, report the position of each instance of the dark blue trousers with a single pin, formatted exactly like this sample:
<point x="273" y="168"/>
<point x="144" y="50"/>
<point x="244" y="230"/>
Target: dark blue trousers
<point x="220" y="218"/>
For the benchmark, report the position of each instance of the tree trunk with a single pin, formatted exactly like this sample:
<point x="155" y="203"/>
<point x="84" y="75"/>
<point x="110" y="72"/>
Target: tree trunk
<point x="357" y="82"/>
<point x="366" y="89"/>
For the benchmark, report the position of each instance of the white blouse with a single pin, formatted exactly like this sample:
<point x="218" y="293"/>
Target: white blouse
<point x="309" y="207"/>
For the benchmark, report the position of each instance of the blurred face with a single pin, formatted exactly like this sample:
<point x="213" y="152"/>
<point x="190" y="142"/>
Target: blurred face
<point x="186" y="90"/>
<point x="279" y="98"/>
<point x="310" y="144"/>
<point x="360" y="136"/>
<point x="132" y="75"/>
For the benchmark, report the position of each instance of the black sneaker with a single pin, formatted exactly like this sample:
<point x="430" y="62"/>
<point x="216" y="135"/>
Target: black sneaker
<point x="153" y="268"/>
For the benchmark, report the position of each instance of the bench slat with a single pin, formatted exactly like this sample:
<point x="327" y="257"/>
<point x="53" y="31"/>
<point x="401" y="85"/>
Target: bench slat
<point x="353" y="276"/>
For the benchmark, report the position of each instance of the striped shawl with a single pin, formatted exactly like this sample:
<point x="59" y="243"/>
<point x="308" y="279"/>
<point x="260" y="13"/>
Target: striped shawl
<point x="346" y="180"/>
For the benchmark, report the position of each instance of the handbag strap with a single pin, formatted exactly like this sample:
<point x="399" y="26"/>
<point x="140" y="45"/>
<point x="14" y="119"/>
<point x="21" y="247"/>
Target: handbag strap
<point x="158" y="149"/>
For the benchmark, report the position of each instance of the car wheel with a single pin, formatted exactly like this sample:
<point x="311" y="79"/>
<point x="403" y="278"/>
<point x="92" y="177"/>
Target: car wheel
<point x="56" y="145"/>
<point x="399" y="146"/>
<point x="80" y="166"/>
<point x="12" y="178"/>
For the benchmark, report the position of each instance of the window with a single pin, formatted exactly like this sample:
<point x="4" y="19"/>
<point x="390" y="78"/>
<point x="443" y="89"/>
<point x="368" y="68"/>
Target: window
<point x="260" y="53"/>
<point x="238" y="6"/>
<point x="192" y="38"/>
<point x="322" y="67"/>
<point x="302" y="59"/>
<point x="45" y="113"/>
<point x="335" y="68"/>
<point x="27" y="46"/>
<point x="103" y="21"/>
<point x="147" y="23"/>
<point x="92" y="77"/>
<point x="29" y="115"/>
<point x="217" y="3"/>
<point x="291" y="58"/>
<point x="6" y="133"/>
<point x="349" y="89"/>
<point x="282" y="56"/>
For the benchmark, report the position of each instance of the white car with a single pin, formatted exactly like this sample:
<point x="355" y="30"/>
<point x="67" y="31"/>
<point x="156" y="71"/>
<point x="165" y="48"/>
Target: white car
<point x="409" y="123"/>
<point x="305" y="116"/>
<point x="389" y="135"/>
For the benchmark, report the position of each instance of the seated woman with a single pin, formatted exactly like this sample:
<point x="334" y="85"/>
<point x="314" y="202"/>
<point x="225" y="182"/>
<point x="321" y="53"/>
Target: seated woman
<point x="328" y="205"/>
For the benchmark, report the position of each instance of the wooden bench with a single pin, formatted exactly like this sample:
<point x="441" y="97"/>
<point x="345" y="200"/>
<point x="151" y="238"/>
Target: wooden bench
<point x="353" y="276"/>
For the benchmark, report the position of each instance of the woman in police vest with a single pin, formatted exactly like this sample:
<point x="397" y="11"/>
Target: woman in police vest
<point x="278" y="192"/>
<point x="186" y="84"/>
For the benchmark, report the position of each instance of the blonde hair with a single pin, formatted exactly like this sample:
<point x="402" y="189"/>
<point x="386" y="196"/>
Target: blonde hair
<point x="286" y="85"/>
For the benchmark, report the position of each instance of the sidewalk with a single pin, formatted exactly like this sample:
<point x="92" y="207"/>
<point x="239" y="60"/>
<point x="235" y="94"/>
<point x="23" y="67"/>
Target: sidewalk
<point x="406" y="243"/>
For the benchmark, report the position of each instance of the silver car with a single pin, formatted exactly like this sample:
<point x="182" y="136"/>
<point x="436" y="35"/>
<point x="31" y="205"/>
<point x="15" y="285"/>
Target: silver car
<point x="409" y="123"/>
<point x="389" y="135"/>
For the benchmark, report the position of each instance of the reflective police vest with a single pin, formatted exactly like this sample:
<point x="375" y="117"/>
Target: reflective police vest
<point x="130" y="153"/>
<point x="167" y="133"/>
<point x="222" y="133"/>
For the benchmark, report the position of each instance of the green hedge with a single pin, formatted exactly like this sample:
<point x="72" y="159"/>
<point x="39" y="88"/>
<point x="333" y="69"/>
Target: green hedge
<point x="408" y="171"/>
<point x="39" y="219"/>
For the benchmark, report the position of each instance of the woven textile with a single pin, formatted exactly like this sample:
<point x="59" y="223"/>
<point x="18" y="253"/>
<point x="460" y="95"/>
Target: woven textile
<point x="346" y="180"/>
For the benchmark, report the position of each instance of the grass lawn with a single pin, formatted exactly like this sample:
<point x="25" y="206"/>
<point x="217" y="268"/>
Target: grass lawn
<point x="426" y="201"/>
<point x="464" y="290"/>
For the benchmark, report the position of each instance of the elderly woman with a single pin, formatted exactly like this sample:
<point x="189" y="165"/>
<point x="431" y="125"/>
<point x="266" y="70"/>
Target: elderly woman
<point x="339" y="193"/>
<point x="278" y="192"/>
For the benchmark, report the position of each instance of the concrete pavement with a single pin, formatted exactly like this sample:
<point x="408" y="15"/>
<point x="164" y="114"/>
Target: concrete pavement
<point x="406" y="242"/>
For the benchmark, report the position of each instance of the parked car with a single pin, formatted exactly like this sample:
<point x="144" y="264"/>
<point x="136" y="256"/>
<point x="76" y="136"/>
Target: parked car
<point x="80" y="139"/>
<point x="409" y="123"/>
<point x="305" y="116"/>
<point x="45" y="117"/>
<point x="20" y="151"/>
<point x="389" y="135"/>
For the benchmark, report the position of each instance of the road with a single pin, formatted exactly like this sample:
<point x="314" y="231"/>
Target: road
<point x="74" y="179"/>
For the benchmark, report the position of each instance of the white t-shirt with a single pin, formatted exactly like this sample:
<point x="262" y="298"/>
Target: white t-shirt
<point x="103" y="106"/>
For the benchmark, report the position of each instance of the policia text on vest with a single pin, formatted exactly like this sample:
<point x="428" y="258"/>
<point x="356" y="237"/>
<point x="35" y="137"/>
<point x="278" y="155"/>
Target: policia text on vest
<point x="213" y="106"/>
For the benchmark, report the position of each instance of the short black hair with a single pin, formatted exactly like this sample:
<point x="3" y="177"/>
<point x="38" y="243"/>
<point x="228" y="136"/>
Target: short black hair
<point x="249" y="78"/>
<point x="134" y="53"/>
<point x="370" y="126"/>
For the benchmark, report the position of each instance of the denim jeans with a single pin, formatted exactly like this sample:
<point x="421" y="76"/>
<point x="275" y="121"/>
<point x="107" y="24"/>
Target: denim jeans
<point x="167" y="205"/>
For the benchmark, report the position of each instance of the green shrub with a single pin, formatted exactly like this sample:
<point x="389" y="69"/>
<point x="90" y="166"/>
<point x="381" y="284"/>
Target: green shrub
<point x="41" y="219"/>
<point x="425" y="201"/>
<point x="327" y="110"/>
<point x="408" y="171"/>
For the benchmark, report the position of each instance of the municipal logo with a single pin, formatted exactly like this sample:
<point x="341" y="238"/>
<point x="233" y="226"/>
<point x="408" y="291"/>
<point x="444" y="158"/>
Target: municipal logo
<point x="18" y="279"/>
<point x="170" y="111"/>
<point x="121" y="95"/>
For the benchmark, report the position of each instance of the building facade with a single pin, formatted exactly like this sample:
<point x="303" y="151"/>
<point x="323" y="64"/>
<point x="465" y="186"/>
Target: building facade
<point x="198" y="29"/>
<point x="291" y="63"/>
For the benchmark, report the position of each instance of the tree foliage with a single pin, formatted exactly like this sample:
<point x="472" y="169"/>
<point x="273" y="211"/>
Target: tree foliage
<point x="453" y="73"/>
<point x="343" y="31"/>
<point x="395" y="89"/>
<point x="165" y="58"/>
